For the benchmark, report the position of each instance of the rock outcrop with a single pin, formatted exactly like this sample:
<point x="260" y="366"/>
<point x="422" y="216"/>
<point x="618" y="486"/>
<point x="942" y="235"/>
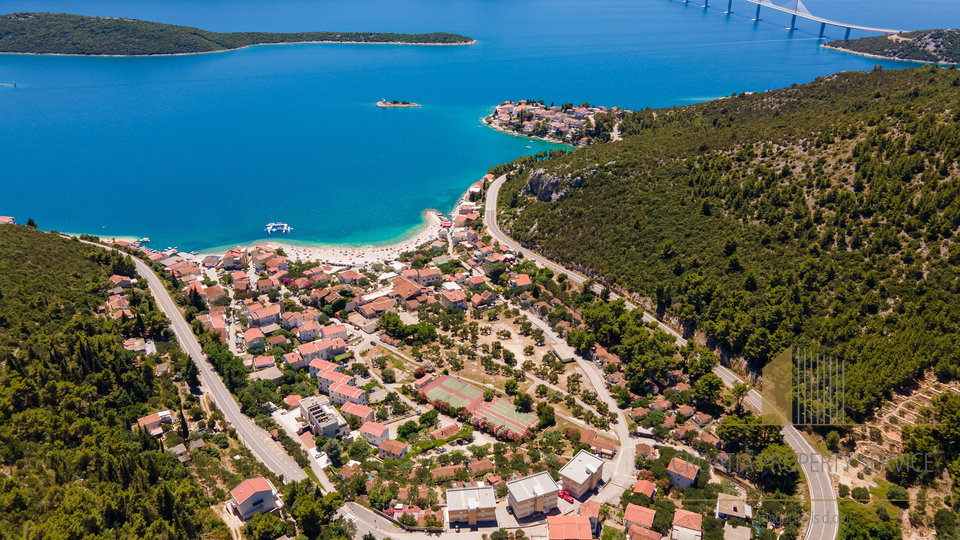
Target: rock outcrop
<point x="549" y="188"/>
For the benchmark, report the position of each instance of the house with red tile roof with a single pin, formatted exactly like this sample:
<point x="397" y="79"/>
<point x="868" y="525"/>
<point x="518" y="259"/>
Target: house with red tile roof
<point x="266" y="315"/>
<point x="521" y="281"/>
<point x="642" y="533"/>
<point x="254" y="496"/>
<point x="687" y="525"/>
<point x="569" y="528"/>
<point x="121" y="281"/>
<point x="350" y="276"/>
<point x="392" y="449"/>
<point x="263" y="362"/>
<point x="423" y="381"/>
<point x="645" y="487"/>
<point x="214" y="293"/>
<point x="457" y="299"/>
<point x="293" y="400"/>
<point x="445" y="432"/>
<point x="374" y="433"/>
<point x="364" y="413"/>
<point x="334" y="331"/>
<point x="253" y="338"/>
<point x="308" y="331"/>
<point x="682" y="473"/>
<point x="329" y="378"/>
<point x="638" y="515"/>
<point x="346" y="393"/>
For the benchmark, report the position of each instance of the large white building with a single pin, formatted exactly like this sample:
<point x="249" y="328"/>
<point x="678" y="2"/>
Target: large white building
<point x="581" y="473"/>
<point x="532" y="494"/>
<point x="471" y="505"/>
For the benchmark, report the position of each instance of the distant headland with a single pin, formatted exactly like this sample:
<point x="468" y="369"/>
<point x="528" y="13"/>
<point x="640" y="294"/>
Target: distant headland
<point x="936" y="46"/>
<point x="395" y="103"/>
<point x="66" y="34"/>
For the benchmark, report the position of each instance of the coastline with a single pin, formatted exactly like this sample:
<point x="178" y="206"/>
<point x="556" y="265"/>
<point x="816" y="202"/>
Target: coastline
<point x="550" y="140"/>
<point x="878" y="57"/>
<point x="350" y="255"/>
<point x="471" y="42"/>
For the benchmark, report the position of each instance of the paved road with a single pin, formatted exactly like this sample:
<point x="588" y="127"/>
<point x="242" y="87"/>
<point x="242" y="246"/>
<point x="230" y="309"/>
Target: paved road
<point x="824" y="513"/>
<point x="265" y="449"/>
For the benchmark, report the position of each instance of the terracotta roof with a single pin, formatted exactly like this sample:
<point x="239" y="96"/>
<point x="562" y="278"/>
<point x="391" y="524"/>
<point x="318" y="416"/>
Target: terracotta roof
<point x="641" y="533"/>
<point x="687" y="520"/>
<point x="346" y="390"/>
<point x="639" y="515"/>
<point x="569" y="528"/>
<point x="249" y="488"/>
<point x="392" y="446"/>
<point x="356" y="409"/>
<point x="375" y="428"/>
<point x="590" y="509"/>
<point x="445" y="432"/>
<point x="683" y="468"/>
<point x="293" y="400"/>
<point x="646" y="487"/>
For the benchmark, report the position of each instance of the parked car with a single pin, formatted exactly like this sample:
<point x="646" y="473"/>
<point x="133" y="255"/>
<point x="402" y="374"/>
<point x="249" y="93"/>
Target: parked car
<point x="565" y="495"/>
<point x="510" y="510"/>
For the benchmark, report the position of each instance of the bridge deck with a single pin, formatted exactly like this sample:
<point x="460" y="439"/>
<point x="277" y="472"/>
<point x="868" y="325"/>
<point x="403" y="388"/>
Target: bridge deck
<point x="821" y="19"/>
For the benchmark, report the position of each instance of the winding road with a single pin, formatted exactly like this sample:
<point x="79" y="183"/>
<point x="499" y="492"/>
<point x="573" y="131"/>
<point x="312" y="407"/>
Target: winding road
<point x="824" y="517"/>
<point x="263" y="447"/>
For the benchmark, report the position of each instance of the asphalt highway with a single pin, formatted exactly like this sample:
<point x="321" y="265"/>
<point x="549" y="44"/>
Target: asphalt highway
<point x="264" y="448"/>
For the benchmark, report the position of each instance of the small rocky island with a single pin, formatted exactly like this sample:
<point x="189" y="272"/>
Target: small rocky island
<point x="387" y="104"/>
<point x="938" y="46"/>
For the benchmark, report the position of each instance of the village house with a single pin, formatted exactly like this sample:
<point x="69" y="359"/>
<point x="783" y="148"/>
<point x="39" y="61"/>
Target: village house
<point x="329" y="378"/>
<point x="232" y="260"/>
<point x="687" y="525"/>
<point x="455" y="299"/>
<point x="334" y="331"/>
<point x="346" y="393"/>
<point x="569" y="528"/>
<point x="682" y="473"/>
<point x="254" y="496"/>
<point x="364" y="413"/>
<point x="308" y="331"/>
<point x="350" y="276"/>
<point x="121" y="281"/>
<point x="152" y="422"/>
<point x="265" y="316"/>
<point x="733" y="506"/>
<point x="647" y="488"/>
<point x="521" y="281"/>
<point x="638" y="515"/>
<point x="392" y="449"/>
<point x="263" y="362"/>
<point x="423" y="381"/>
<point x="253" y="339"/>
<point x="445" y="432"/>
<point x="374" y="433"/>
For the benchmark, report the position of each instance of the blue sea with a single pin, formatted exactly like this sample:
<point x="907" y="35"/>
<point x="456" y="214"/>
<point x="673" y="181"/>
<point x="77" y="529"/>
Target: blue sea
<point x="202" y="151"/>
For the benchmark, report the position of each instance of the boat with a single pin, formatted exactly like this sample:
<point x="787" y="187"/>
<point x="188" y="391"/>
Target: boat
<point x="529" y="147"/>
<point x="278" y="227"/>
<point x="144" y="240"/>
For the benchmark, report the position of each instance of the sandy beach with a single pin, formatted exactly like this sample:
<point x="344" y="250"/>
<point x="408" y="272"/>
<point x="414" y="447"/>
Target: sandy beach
<point x="356" y="257"/>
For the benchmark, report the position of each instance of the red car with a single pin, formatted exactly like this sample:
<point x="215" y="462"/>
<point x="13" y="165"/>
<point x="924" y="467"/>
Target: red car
<point x="565" y="495"/>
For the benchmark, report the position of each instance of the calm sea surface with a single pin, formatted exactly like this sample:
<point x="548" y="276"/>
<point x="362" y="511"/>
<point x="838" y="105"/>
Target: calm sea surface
<point x="202" y="151"/>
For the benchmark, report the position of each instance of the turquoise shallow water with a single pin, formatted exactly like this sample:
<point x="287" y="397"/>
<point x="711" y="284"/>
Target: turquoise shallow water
<point x="201" y="151"/>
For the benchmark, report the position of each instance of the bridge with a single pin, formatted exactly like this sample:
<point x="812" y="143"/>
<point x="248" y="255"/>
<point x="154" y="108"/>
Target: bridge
<point x="799" y="10"/>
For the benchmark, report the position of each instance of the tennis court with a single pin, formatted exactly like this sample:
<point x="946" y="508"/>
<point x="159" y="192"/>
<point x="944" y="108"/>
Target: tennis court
<point x="456" y="393"/>
<point x="503" y="413"/>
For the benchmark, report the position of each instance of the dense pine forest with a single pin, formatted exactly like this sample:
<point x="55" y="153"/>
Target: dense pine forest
<point x="61" y="33"/>
<point x="822" y="215"/>
<point x="920" y="46"/>
<point x="70" y="465"/>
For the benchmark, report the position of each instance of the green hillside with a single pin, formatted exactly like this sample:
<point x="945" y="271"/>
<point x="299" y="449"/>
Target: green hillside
<point x="60" y="33"/>
<point x="823" y="214"/>
<point x="70" y="466"/>
<point x="922" y="46"/>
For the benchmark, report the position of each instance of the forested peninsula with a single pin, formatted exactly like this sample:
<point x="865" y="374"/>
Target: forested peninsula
<point x="61" y="33"/>
<point x="921" y="46"/>
<point x="823" y="215"/>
